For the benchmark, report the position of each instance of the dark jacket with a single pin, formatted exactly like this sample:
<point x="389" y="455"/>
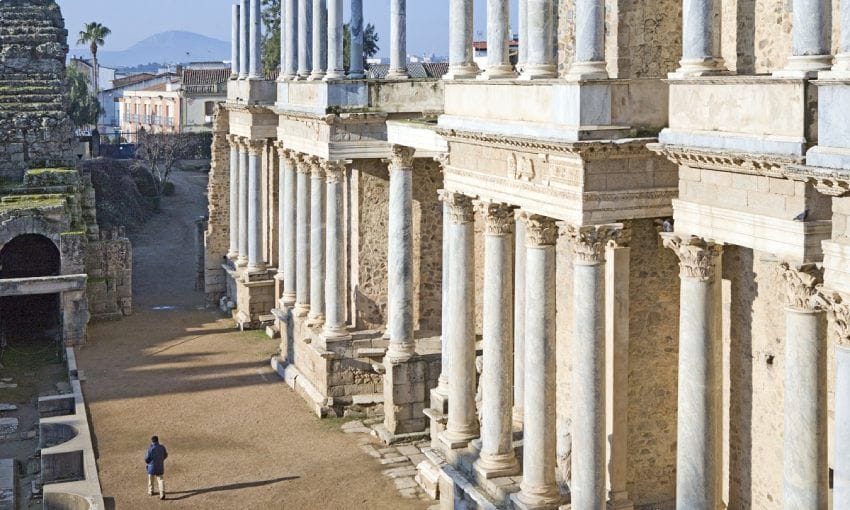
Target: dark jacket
<point x="155" y="459"/>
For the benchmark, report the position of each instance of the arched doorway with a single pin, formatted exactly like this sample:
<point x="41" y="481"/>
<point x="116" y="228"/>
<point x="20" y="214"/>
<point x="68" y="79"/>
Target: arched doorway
<point x="32" y="318"/>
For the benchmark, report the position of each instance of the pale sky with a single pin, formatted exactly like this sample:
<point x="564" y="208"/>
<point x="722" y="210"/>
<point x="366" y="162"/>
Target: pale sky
<point x="133" y="20"/>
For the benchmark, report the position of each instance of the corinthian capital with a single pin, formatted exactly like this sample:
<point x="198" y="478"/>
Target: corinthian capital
<point x="304" y="164"/>
<point x="539" y="230"/>
<point x="401" y="158"/>
<point x="802" y="284"/>
<point x="837" y="306"/>
<point x="588" y="242"/>
<point x="498" y="217"/>
<point x="460" y="207"/>
<point x="335" y="171"/>
<point x="255" y="147"/>
<point x="696" y="255"/>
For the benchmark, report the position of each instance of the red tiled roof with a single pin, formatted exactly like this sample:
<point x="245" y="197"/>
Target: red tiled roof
<point x="132" y="79"/>
<point x="206" y="76"/>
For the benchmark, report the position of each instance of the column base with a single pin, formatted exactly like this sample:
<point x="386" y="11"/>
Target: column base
<point x="336" y="334"/>
<point x="440" y="398"/>
<point x="398" y="74"/>
<point x="454" y="440"/>
<point x="232" y="255"/>
<point x="288" y="77"/>
<point x="496" y="465"/>
<point x="498" y="72"/>
<point x="301" y="76"/>
<point x="690" y="68"/>
<point x="358" y="75"/>
<point x="462" y="72"/>
<point x="256" y="268"/>
<point x="335" y="75"/>
<point x="840" y="69"/>
<point x="300" y="310"/>
<point x="619" y="504"/>
<point x="316" y="76"/>
<point x="548" y="498"/>
<point x="594" y="70"/>
<point x="315" y="320"/>
<point x="241" y="261"/>
<point x="255" y="77"/>
<point x="539" y="72"/>
<point x="804" y="66"/>
<point x="287" y="300"/>
<point x="399" y="352"/>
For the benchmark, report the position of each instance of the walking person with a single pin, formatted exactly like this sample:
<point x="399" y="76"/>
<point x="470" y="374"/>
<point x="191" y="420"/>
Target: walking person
<point x="155" y="460"/>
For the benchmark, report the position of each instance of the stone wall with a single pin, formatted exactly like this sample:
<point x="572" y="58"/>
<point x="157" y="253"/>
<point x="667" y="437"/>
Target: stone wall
<point x="109" y="264"/>
<point x="427" y="246"/>
<point x="34" y="127"/>
<point x="217" y="238"/>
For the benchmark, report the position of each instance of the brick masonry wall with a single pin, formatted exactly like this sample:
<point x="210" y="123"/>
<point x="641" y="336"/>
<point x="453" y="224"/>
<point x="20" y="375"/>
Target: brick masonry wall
<point x="217" y="238"/>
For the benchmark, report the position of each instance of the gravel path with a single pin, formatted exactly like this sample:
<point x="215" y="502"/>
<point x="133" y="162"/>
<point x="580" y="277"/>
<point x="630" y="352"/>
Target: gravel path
<point x="237" y="436"/>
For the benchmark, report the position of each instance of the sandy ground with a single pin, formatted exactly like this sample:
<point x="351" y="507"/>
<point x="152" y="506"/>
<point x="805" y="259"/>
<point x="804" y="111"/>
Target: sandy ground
<point x="237" y="436"/>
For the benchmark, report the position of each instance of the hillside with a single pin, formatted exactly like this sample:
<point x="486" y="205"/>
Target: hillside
<point x="164" y="47"/>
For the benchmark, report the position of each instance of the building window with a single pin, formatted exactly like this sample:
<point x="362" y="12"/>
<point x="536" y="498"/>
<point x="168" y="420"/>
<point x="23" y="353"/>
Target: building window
<point x="209" y="108"/>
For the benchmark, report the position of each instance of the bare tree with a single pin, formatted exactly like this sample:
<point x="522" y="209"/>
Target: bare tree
<point x="160" y="151"/>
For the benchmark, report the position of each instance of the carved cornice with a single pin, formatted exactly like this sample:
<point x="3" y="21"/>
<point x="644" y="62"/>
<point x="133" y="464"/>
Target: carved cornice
<point x="728" y="161"/>
<point x="802" y="284"/>
<point x="588" y="242"/>
<point x="829" y="181"/>
<point x="696" y="255"/>
<point x="335" y="171"/>
<point x="540" y="231"/>
<point x="498" y="217"/>
<point x="460" y="207"/>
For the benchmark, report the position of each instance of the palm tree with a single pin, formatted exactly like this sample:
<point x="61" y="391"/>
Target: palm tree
<point x="94" y="34"/>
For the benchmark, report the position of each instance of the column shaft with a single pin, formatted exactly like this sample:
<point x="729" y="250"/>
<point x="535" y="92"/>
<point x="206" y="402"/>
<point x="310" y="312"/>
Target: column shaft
<point x="355" y="70"/>
<point x="233" y="252"/>
<point x="288" y="221"/>
<point x="462" y="424"/>
<point x="841" y="462"/>
<point x="281" y="212"/>
<point x="700" y="39"/>
<point x="497" y="453"/>
<point x="320" y="39"/>
<point x="302" y="234"/>
<point x="461" y="65"/>
<point x="519" y="319"/>
<point x="243" y="205"/>
<point x="255" y="69"/>
<point x="305" y="38"/>
<point x="498" y="57"/>
<point x="244" y="29"/>
<point x="234" y="41"/>
<point x="335" y="254"/>
<point x="443" y="383"/>
<point x="540" y="62"/>
<point x="522" y="21"/>
<point x="255" y="218"/>
<point x="590" y="40"/>
<point x="336" y="70"/>
<point x="398" y="40"/>
<point x="809" y="35"/>
<point x="842" y="59"/>
<point x="400" y="255"/>
<point x="289" y="48"/>
<point x="317" y="244"/>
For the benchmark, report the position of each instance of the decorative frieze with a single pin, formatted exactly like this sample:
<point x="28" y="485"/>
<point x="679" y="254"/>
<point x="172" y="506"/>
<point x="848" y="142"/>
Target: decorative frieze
<point x="521" y="166"/>
<point x="726" y="161"/>
<point x="588" y="242"/>
<point x="539" y="230"/>
<point x="696" y="255"/>
<point x="802" y="284"/>
<point x="498" y="217"/>
<point x="460" y="207"/>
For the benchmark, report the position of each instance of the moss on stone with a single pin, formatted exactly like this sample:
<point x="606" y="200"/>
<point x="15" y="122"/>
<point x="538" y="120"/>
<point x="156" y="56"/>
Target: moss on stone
<point x="29" y="202"/>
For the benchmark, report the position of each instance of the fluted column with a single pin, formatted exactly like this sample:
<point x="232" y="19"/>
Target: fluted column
<point x="305" y="38"/>
<point x="498" y="57"/>
<point x="255" y="69"/>
<point x="398" y="40"/>
<point x="522" y="21"/>
<point x="233" y="251"/>
<point x="288" y="200"/>
<point x="317" y="243"/>
<point x="805" y="431"/>
<point x="538" y="489"/>
<point x="335" y="253"/>
<point x="320" y="39"/>
<point x="443" y="380"/>
<point x="810" y="39"/>
<point x="540" y="63"/>
<point x="243" y="203"/>
<point x="461" y="65"/>
<point x="234" y="41"/>
<point x="698" y="455"/>
<point x="700" y="39"/>
<point x="588" y="373"/>
<point x="519" y="316"/>
<point x="462" y="423"/>
<point x="400" y="255"/>
<point x="255" y="218"/>
<point x="590" y="41"/>
<point x="355" y="70"/>
<point x="840" y="309"/>
<point x="497" y="452"/>
<point x="302" y="235"/>
<point x="336" y="69"/>
<point x="289" y="40"/>
<point x="244" y="29"/>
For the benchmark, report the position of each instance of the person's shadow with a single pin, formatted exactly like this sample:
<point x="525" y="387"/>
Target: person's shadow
<point x="175" y="495"/>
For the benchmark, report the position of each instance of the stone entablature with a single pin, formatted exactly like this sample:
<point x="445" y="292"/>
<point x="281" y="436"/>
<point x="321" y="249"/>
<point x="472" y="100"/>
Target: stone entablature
<point x="360" y="96"/>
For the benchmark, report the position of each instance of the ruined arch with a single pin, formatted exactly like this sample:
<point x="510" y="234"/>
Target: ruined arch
<point x="30" y="255"/>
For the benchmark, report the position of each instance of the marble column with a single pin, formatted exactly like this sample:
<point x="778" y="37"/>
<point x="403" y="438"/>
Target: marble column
<point x="244" y="29"/>
<point x="804" y="433"/>
<point x="841" y="68"/>
<point x="400" y="256"/>
<point x="398" y="40"/>
<point x="519" y="316"/>
<point x="335" y="252"/>
<point x="302" y="237"/>
<point x="589" y="63"/>
<point x="255" y="212"/>
<point x="355" y="70"/>
<point x="316" y="316"/>
<point x="698" y="457"/>
<point x="336" y="69"/>
<point x="234" y="41"/>
<point x="540" y="59"/>
<point x="589" y="439"/>
<point x="810" y="40"/>
<point x="288" y="200"/>
<point x="841" y="456"/>
<point x="497" y="456"/>
<point x="462" y="423"/>
<point x="498" y="56"/>
<point x="243" y="203"/>
<point x="233" y="251"/>
<point x="700" y="39"/>
<point x="305" y="38"/>
<point x="289" y="41"/>
<point x="255" y="56"/>
<point x="461" y="65"/>
<point x="445" y="359"/>
<point x="522" y="17"/>
<point x="538" y="489"/>
<point x="320" y="39"/>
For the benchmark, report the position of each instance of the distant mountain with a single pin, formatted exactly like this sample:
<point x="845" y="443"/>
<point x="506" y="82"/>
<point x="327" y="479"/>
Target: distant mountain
<point x="165" y="47"/>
